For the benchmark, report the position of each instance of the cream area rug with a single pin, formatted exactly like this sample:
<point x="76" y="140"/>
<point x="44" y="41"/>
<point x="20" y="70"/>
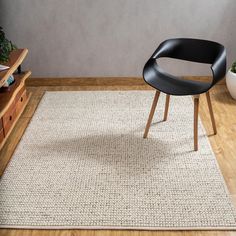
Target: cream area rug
<point x="82" y="163"/>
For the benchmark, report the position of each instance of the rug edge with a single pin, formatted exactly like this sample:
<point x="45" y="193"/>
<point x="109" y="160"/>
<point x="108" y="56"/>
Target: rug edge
<point x="216" y="228"/>
<point x="233" y="228"/>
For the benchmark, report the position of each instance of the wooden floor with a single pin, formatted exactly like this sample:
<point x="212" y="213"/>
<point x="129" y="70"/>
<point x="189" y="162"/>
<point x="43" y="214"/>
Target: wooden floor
<point x="224" y="146"/>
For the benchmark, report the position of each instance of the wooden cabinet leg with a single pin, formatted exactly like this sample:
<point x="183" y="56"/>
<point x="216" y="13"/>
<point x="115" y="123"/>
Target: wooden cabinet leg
<point x="196" y="109"/>
<point x="211" y="112"/>
<point x="154" y="104"/>
<point x="166" y="107"/>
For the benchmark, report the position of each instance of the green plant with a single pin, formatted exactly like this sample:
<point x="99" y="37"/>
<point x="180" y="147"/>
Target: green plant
<point x="233" y="68"/>
<point x="6" y="47"/>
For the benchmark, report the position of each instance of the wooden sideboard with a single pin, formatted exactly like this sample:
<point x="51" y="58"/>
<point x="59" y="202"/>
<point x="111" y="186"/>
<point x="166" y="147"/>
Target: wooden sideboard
<point x="13" y="99"/>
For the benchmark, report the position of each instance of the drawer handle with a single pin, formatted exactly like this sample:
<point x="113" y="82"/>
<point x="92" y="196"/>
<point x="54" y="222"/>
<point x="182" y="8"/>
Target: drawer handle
<point x="10" y="118"/>
<point x="21" y="99"/>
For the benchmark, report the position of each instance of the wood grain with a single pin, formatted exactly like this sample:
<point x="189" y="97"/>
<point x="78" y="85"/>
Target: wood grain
<point x="7" y="98"/>
<point x="166" y="107"/>
<point x="211" y="112"/>
<point x="87" y="81"/>
<point x="4" y="160"/>
<point x="103" y="81"/>
<point x="15" y="59"/>
<point x="224" y="146"/>
<point x="195" y="128"/>
<point x="151" y="114"/>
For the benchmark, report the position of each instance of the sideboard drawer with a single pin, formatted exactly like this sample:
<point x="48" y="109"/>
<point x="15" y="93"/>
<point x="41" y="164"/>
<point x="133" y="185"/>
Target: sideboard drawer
<point x="9" y="118"/>
<point x="18" y="95"/>
<point x="1" y="136"/>
<point x="8" y="114"/>
<point x="1" y="131"/>
<point x="21" y="102"/>
<point x="1" y="124"/>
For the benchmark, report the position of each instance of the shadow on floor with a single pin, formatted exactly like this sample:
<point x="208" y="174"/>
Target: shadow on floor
<point x="224" y="97"/>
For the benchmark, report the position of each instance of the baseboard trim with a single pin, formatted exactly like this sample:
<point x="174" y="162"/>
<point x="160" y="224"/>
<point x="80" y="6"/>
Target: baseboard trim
<point x="100" y="81"/>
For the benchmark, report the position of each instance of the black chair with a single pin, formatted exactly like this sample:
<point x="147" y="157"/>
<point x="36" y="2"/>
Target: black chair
<point x="195" y="50"/>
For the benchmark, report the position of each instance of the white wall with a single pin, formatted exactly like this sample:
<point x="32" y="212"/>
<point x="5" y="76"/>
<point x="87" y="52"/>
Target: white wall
<point x="112" y="37"/>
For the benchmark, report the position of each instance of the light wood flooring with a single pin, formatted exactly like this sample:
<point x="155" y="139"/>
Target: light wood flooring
<point x="224" y="146"/>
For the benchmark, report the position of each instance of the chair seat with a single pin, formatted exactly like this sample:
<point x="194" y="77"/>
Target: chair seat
<point x="170" y="84"/>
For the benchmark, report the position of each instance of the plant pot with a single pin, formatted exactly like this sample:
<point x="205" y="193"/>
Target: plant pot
<point x="231" y="83"/>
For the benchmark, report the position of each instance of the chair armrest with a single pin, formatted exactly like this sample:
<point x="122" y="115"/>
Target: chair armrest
<point x="165" y="49"/>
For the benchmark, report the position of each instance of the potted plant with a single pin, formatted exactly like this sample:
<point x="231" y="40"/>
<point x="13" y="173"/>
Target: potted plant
<point x="6" y="47"/>
<point x="231" y="80"/>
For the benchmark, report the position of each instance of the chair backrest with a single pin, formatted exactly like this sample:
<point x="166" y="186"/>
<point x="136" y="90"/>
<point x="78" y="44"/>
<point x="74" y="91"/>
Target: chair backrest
<point x="195" y="50"/>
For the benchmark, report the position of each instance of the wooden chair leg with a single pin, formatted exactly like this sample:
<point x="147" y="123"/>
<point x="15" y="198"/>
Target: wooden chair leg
<point x="211" y="112"/>
<point x="154" y="104"/>
<point x="196" y="108"/>
<point x="166" y="107"/>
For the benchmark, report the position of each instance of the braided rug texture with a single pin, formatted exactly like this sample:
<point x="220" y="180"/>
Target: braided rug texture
<point x="82" y="163"/>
